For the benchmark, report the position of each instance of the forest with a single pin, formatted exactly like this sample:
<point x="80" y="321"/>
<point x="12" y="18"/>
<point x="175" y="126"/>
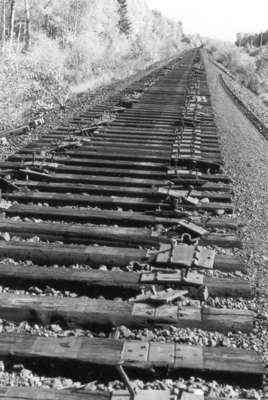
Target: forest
<point x="252" y="39"/>
<point x="52" y="50"/>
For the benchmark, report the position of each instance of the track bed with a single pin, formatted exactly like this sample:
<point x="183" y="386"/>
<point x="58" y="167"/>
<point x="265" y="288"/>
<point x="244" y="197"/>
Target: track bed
<point x="130" y="221"/>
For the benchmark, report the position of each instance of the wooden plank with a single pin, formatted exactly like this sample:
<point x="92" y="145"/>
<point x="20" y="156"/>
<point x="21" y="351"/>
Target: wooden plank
<point x="109" y="235"/>
<point x="42" y="254"/>
<point x="121" y="280"/>
<point x="136" y="203"/>
<point x="161" y="147"/>
<point x="222" y="223"/>
<point x="91" y="179"/>
<point x="229" y="287"/>
<point x="223" y="360"/>
<point x="26" y="393"/>
<point x="229" y="263"/>
<point x="189" y="357"/>
<point x="106" y="217"/>
<point x="190" y="176"/>
<point x="113" y="190"/>
<point x="234" y="318"/>
<point x="221" y="240"/>
<point x="25" y="159"/>
<point x="128" y="149"/>
<point x="116" y="138"/>
<point x="109" y="202"/>
<point x="83" y="234"/>
<point x="83" y="312"/>
<point x="93" y="351"/>
<point x="63" y="276"/>
<point x="71" y="255"/>
<point x="135" y="173"/>
<point x="31" y="393"/>
<point x="120" y="155"/>
<point x="121" y="218"/>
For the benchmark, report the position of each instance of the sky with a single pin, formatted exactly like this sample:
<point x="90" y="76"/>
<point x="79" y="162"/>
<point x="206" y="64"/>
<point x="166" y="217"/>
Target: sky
<point x="219" y="19"/>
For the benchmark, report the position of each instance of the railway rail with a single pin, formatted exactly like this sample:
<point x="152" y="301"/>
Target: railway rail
<point x="134" y="213"/>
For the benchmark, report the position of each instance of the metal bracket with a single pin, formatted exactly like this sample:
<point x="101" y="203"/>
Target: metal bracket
<point x="184" y="255"/>
<point x="204" y="258"/>
<point x="187" y="278"/>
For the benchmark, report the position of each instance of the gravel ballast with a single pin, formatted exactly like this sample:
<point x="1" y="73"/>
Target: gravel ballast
<point x="245" y="152"/>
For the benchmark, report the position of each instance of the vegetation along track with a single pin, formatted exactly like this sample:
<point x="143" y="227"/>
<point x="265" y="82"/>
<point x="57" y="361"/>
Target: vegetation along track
<point x="120" y="253"/>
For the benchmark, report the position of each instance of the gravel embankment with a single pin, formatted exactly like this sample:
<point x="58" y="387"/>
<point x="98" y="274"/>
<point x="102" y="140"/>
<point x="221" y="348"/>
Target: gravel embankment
<point x="249" y="99"/>
<point x="245" y="151"/>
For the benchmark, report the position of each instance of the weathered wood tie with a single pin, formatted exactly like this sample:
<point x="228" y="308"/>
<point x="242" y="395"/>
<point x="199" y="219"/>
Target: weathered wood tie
<point x="83" y="234"/>
<point x="121" y="218"/>
<point x="137" y="203"/>
<point x="167" y="257"/>
<point x="85" y="312"/>
<point x="103" y="280"/>
<point x="135" y="354"/>
<point x="22" y="393"/>
<point x="154" y="193"/>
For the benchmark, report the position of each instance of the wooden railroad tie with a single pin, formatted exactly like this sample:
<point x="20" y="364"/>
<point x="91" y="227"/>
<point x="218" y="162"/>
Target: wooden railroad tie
<point x="16" y="393"/>
<point x="168" y="257"/>
<point x="85" y="312"/>
<point x="115" y="235"/>
<point x="140" y="355"/>
<point x="134" y="281"/>
<point x="120" y="218"/>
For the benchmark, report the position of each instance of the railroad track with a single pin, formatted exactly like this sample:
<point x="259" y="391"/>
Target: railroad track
<point x="134" y="214"/>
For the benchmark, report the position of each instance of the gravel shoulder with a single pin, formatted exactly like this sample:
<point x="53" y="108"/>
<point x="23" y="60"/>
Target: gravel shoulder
<point x="246" y="160"/>
<point x="245" y="152"/>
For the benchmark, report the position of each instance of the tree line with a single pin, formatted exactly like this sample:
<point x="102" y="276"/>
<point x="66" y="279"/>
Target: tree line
<point x="252" y="40"/>
<point x="15" y="26"/>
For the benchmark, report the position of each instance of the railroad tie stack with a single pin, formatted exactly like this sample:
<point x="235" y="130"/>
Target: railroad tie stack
<point x="135" y="205"/>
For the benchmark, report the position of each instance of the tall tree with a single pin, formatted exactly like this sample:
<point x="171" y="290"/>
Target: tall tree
<point x="3" y="23"/>
<point x="12" y="19"/>
<point x="27" y="25"/>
